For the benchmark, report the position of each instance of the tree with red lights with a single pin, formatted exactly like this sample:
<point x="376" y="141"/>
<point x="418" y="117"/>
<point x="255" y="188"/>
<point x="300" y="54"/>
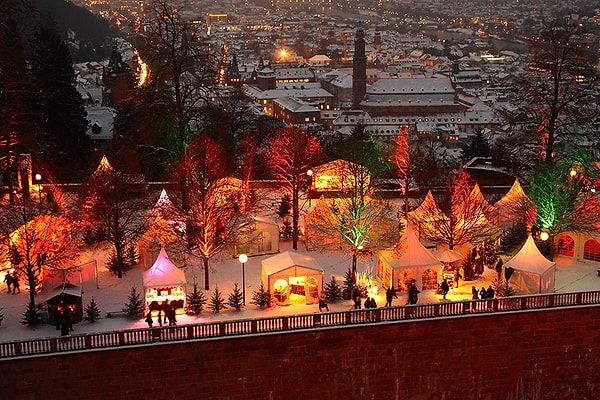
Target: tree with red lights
<point x="460" y="216"/>
<point x="216" y="201"/>
<point x="290" y="154"/>
<point x="405" y="162"/>
<point x="111" y="211"/>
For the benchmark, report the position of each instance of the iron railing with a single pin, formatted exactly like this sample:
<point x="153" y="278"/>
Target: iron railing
<point x="114" y="339"/>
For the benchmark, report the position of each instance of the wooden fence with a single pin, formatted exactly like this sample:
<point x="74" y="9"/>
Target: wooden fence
<point x="114" y="339"/>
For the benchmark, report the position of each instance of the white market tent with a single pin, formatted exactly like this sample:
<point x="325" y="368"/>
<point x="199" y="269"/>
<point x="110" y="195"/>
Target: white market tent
<point x="257" y="235"/>
<point x="163" y="281"/>
<point x="291" y="275"/>
<point x="531" y="271"/>
<point x="407" y="260"/>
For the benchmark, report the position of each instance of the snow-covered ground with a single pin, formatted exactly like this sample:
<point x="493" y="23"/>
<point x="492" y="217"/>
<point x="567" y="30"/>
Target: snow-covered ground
<point x="111" y="293"/>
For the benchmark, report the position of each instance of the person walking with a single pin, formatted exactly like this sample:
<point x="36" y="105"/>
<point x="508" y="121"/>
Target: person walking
<point x="323" y="305"/>
<point x="149" y="319"/>
<point x="172" y="320"/>
<point x="457" y="277"/>
<point x="490" y="292"/>
<point x="15" y="282"/>
<point x="160" y="318"/>
<point x="389" y="294"/>
<point x="356" y="298"/>
<point x="483" y="293"/>
<point x="445" y="288"/>
<point x="474" y="293"/>
<point x="8" y="279"/>
<point x="413" y="293"/>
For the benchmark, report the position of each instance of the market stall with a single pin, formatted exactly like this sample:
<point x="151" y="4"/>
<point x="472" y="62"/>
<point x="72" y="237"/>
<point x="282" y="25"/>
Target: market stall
<point x="292" y="277"/>
<point x="164" y="282"/>
<point x="529" y="271"/>
<point x="61" y="297"/>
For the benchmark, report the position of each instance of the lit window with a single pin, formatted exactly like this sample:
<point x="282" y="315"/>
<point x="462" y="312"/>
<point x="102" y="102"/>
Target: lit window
<point x="566" y="245"/>
<point x="591" y="250"/>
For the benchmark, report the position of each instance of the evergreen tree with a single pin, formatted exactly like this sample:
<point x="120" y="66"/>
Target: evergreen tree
<point x="217" y="303"/>
<point x="195" y="301"/>
<point x="261" y="297"/>
<point x="333" y="291"/>
<point x="349" y="284"/>
<point x="287" y="230"/>
<point x="92" y="312"/>
<point x="285" y="206"/>
<point x="135" y="306"/>
<point x="32" y="316"/>
<point x="62" y="120"/>
<point x="236" y="298"/>
<point x="479" y="146"/>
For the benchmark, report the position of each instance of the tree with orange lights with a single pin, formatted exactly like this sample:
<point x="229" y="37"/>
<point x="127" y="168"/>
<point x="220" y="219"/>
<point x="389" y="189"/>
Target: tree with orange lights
<point x="216" y="201"/>
<point x="112" y="211"/>
<point x="32" y="242"/>
<point x="405" y="162"/>
<point x="460" y="217"/>
<point x="290" y="154"/>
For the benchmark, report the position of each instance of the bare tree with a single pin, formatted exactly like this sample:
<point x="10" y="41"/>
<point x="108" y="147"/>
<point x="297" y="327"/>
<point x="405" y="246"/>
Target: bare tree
<point x="459" y="219"/>
<point x="290" y="154"/>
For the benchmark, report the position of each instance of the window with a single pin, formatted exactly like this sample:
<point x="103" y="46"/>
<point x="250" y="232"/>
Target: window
<point x="591" y="250"/>
<point x="566" y="245"/>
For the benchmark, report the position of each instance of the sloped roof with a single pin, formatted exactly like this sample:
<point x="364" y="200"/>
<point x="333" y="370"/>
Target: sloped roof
<point x="163" y="273"/>
<point x="409" y="252"/>
<point x="530" y="259"/>
<point x="515" y="193"/>
<point x="288" y="259"/>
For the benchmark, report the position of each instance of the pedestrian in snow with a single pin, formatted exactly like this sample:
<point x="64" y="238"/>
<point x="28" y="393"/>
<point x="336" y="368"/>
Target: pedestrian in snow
<point x="172" y="320"/>
<point x="167" y="310"/>
<point x="490" y="292"/>
<point x="64" y="323"/>
<point x="160" y="318"/>
<point x="356" y="298"/>
<point x="457" y="277"/>
<point x="149" y="319"/>
<point x="56" y="316"/>
<point x="8" y="279"/>
<point x="67" y="318"/>
<point x="389" y="294"/>
<point x="474" y="292"/>
<point x="413" y="293"/>
<point x="445" y="288"/>
<point x="15" y="282"/>
<point x="323" y="305"/>
<point x="483" y="293"/>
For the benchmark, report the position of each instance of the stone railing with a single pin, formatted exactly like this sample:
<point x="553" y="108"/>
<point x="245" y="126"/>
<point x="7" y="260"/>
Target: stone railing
<point x="136" y="337"/>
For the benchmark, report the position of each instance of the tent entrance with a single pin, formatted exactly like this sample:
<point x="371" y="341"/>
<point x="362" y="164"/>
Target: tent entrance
<point x="296" y="290"/>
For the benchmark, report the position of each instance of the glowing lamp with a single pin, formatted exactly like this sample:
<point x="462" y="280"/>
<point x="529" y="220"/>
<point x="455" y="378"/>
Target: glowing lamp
<point x="243" y="258"/>
<point x="544" y="235"/>
<point x="572" y="172"/>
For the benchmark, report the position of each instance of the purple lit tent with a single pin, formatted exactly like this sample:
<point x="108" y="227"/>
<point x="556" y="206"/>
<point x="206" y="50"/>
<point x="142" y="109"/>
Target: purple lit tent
<point x="163" y="281"/>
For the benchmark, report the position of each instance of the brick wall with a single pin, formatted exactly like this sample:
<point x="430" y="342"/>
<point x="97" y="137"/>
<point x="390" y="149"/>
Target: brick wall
<point x="547" y="354"/>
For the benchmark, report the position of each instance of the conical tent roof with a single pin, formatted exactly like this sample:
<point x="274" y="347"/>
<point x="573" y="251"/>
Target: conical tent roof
<point x="163" y="273"/>
<point x="165" y="206"/>
<point x="409" y="252"/>
<point x="530" y="259"/>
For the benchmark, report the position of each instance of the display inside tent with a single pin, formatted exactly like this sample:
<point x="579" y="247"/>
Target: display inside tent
<point x="164" y="285"/>
<point x="292" y="278"/>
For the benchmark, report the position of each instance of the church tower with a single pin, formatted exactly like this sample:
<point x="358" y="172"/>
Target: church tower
<point x="359" y="69"/>
<point x="118" y="81"/>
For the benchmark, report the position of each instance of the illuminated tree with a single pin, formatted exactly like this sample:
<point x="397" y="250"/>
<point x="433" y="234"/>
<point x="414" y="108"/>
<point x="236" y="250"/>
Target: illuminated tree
<point x="555" y="97"/>
<point x="111" y="211"/>
<point x="32" y="242"/>
<point x="216" y="201"/>
<point x="460" y="217"/>
<point x="289" y="155"/>
<point x="405" y="164"/>
<point x="564" y="197"/>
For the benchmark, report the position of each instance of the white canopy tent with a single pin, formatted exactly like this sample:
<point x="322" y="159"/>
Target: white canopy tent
<point x="163" y="281"/>
<point x="407" y="260"/>
<point x="291" y="274"/>
<point x="529" y="271"/>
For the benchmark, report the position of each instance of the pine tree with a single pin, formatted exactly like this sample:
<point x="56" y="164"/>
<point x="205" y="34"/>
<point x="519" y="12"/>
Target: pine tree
<point x="286" y="230"/>
<point x="135" y="306"/>
<point x="285" y="206"/>
<point x="261" y="297"/>
<point x="236" y="298"/>
<point x="333" y="291"/>
<point x="31" y="316"/>
<point x="195" y="301"/>
<point x="217" y="303"/>
<point x="349" y="283"/>
<point x="131" y="254"/>
<point x="92" y="312"/>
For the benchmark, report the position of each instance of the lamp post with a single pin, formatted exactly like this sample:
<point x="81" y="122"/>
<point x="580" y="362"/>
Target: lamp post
<point x="38" y="180"/>
<point x="309" y="174"/>
<point x="243" y="258"/>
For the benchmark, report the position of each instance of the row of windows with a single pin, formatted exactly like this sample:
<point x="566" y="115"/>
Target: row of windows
<point x="406" y="121"/>
<point x="591" y="248"/>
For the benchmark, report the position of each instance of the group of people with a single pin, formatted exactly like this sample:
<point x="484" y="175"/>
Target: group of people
<point x="63" y="320"/>
<point x="483" y="293"/>
<point x="169" y="314"/>
<point x="12" y="280"/>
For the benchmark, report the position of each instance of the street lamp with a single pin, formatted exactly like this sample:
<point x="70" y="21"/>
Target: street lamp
<point x="243" y="258"/>
<point x="309" y="174"/>
<point x="38" y="180"/>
